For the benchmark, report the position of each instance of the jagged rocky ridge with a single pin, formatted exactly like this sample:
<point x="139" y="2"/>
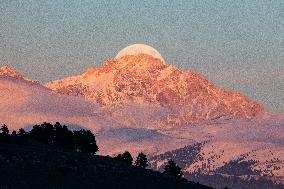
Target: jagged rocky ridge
<point x="10" y="72"/>
<point x="143" y="79"/>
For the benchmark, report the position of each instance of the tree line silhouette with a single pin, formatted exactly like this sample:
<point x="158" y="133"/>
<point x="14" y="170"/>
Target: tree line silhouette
<point x="141" y="160"/>
<point x="78" y="140"/>
<point x="55" y="135"/>
<point x="171" y="168"/>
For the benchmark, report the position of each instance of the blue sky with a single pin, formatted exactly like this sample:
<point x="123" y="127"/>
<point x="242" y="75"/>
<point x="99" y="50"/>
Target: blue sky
<point x="236" y="44"/>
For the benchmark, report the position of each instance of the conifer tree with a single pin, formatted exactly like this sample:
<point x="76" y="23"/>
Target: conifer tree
<point x="4" y="135"/>
<point x="173" y="170"/>
<point x="125" y="157"/>
<point x="141" y="160"/>
<point x="5" y="130"/>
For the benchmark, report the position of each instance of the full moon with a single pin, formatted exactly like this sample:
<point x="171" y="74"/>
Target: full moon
<point x="136" y="49"/>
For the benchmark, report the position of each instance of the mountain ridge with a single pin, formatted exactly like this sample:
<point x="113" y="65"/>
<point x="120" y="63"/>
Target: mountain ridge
<point x="144" y="79"/>
<point x="11" y="72"/>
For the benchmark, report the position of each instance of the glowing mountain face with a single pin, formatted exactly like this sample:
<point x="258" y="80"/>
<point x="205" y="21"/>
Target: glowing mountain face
<point x="10" y="72"/>
<point x="24" y="103"/>
<point x="144" y="79"/>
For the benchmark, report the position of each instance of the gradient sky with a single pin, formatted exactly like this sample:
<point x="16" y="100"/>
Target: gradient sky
<point x="238" y="45"/>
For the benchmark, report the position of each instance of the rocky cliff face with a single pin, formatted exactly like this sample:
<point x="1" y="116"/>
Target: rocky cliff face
<point x="144" y="79"/>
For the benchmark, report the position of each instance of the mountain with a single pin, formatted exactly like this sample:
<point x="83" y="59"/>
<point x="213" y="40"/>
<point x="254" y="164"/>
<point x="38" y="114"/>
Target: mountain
<point x="7" y="71"/>
<point x="139" y="103"/>
<point x="24" y="103"/>
<point x="143" y="79"/>
<point x="230" y="152"/>
<point x="158" y="109"/>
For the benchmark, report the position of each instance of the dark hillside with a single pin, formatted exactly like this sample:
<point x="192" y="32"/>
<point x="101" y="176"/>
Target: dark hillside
<point x="44" y="166"/>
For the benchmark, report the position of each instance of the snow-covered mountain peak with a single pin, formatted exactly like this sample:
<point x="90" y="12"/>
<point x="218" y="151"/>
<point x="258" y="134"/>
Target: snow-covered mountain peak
<point x="7" y="71"/>
<point x="139" y="62"/>
<point x="11" y="72"/>
<point x="144" y="79"/>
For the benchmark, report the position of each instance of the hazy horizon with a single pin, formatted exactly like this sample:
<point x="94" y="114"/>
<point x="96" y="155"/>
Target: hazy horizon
<point x="237" y="45"/>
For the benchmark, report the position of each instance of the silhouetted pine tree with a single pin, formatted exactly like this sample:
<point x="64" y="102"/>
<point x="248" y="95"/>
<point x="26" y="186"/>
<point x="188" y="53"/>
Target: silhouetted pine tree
<point x="4" y="135"/>
<point x="22" y="136"/>
<point x="141" y="160"/>
<point x="43" y="133"/>
<point x="4" y="130"/>
<point x="63" y="136"/>
<point x="13" y="137"/>
<point x="21" y="132"/>
<point x="85" y="141"/>
<point x="125" y="157"/>
<point x="172" y="169"/>
<point x="14" y="133"/>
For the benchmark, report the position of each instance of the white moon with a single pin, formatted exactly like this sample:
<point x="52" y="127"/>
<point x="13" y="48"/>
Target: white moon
<point x="139" y="49"/>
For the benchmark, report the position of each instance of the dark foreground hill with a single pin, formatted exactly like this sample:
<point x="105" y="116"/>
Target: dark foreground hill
<point x="41" y="166"/>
